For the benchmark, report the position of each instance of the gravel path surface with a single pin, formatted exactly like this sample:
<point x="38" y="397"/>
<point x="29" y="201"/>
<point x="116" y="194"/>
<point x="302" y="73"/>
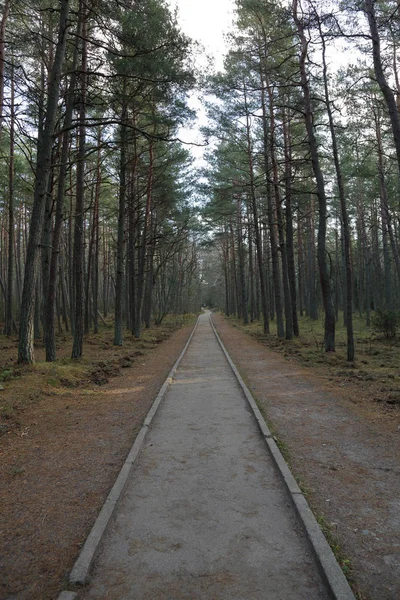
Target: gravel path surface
<point x="205" y="514"/>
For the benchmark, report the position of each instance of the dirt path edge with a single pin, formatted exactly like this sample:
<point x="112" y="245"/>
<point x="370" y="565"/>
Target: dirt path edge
<point x="329" y="567"/>
<point x="80" y="572"/>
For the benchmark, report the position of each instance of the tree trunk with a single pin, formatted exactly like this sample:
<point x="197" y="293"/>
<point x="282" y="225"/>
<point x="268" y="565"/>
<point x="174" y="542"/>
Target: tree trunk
<point x="257" y="233"/>
<point x="11" y="233"/>
<point x="43" y="164"/>
<point x="80" y="199"/>
<point x="242" y="280"/>
<point x="119" y="282"/>
<point x="3" y="25"/>
<point x="96" y="241"/>
<point x="380" y="77"/>
<point x="143" y="249"/>
<point x="322" y="201"/>
<point x="272" y="226"/>
<point x="343" y="207"/>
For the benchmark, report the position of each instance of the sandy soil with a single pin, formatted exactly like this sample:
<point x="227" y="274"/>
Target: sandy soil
<point x="58" y="466"/>
<point x="344" y="449"/>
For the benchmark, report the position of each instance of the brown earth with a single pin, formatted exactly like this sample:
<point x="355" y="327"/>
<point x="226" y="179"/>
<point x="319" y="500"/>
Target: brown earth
<point x="60" y="456"/>
<point x="344" y="448"/>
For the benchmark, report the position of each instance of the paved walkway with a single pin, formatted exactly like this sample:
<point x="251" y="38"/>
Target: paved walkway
<point x="205" y="515"/>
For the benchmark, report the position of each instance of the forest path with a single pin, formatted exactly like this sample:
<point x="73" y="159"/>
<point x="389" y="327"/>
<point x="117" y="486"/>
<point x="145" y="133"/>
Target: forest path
<point x="205" y="514"/>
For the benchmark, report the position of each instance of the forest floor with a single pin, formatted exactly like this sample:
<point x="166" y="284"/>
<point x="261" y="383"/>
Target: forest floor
<point x="338" y="426"/>
<point x="66" y="429"/>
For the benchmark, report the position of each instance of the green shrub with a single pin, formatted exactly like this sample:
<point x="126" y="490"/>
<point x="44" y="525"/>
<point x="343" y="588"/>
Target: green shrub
<point x="386" y="322"/>
<point x="5" y="375"/>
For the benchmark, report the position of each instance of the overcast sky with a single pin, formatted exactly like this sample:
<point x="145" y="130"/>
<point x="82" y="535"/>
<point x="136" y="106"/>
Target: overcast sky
<point x="206" y="21"/>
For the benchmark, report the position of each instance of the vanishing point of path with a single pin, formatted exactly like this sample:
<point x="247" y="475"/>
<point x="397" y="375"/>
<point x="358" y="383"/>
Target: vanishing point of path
<point x="205" y="514"/>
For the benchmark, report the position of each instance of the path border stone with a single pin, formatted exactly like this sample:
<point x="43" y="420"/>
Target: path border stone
<point x="326" y="561"/>
<point x="81" y="569"/>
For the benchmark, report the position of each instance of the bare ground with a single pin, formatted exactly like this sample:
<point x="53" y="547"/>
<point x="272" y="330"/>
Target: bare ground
<point x="61" y="456"/>
<point x="345" y="450"/>
<point x="58" y="462"/>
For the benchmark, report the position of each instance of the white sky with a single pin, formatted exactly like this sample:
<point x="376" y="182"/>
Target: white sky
<point x="205" y="21"/>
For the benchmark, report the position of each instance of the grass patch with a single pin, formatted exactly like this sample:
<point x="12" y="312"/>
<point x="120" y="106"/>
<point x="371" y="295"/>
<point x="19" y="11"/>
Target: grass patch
<point x="329" y="533"/>
<point x="375" y="369"/>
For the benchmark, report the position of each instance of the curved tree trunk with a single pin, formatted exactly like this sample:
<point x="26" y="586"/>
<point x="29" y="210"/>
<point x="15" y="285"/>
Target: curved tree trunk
<point x="380" y="77"/>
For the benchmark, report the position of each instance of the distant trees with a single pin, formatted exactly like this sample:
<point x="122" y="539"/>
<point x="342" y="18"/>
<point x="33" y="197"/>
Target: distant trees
<point x="296" y="139"/>
<point x="301" y="189"/>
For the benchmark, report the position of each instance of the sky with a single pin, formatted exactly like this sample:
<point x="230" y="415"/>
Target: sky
<point x="205" y="21"/>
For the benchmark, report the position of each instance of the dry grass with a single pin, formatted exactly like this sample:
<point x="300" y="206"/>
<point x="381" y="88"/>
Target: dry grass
<point x="25" y="386"/>
<point x="375" y="369"/>
<point x="67" y="436"/>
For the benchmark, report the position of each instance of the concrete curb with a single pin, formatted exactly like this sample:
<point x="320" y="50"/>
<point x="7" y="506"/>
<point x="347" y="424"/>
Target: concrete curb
<point x="81" y="569"/>
<point x="328" y="565"/>
<point x="67" y="596"/>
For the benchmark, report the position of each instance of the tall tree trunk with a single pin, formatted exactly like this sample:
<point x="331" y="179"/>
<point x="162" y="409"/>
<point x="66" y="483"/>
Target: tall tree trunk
<point x="380" y="76"/>
<point x="11" y="233"/>
<point x="133" y="225"/>
<point x="322" y="201"/>
<point x="278" y="212"/>
<point x="3" y="25"/>
<point x="343" y="208"/>
<point x="272" y="224"/>
<point x="300" y="263"/>
<point x="80" y="198"/>
<point x="257" y="233"/>
<point x="119" y="281"/>
<point x="241" y="262"/>
<point x="387" y="227"/>
<point x="96" y="241"/>
<point x="289" y="224"/>
<point x="43" y="164"/>
<point x="143" y="249"/>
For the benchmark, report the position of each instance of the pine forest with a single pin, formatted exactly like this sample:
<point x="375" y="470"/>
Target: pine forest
<point x="104" y="213"/>
<point x="144" y="189"/>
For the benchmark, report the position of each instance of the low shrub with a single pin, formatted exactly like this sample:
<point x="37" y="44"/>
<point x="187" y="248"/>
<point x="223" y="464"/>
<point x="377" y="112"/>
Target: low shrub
<point x="386" y="322"/>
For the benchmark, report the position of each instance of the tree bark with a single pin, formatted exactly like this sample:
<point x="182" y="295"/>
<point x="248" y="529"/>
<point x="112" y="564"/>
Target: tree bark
<point x="257" y="233"/>
<point x="380" y="77"/>
<point x="11" y="233"/>
<point x="78" y="259"/>
<point x="3" y="25"/>
<point x="43" y="164"/>
<point x="343" y="208"/>
<point x="272" y="225"/>
<point x="289" y="224"/>
<point x="329" y="339"/>
<point x="119" y="281"/>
